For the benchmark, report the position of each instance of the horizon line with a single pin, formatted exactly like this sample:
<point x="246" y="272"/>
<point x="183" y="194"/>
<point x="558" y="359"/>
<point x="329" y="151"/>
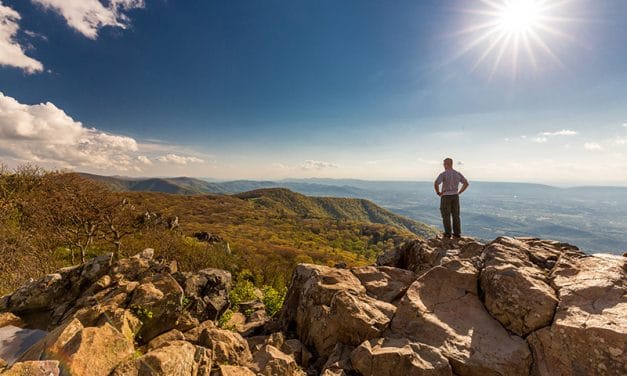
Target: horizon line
<point x="394" y="180"/>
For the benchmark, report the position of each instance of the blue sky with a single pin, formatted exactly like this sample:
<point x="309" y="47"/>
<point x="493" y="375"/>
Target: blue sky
<point x="274" y="89"/>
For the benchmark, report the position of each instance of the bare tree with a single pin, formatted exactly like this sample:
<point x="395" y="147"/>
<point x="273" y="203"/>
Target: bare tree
<point x="120" y="219"/>
<point x="71" y="207"/>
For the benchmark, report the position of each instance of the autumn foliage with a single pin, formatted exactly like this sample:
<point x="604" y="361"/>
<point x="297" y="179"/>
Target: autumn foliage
<point x="54" y="219"/>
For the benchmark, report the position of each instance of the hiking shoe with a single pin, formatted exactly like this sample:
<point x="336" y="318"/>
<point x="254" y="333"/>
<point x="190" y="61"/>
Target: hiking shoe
<point x="457" y="236"/>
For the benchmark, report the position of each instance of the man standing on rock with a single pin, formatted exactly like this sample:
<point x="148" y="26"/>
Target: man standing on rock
<point x="449" y="197"/>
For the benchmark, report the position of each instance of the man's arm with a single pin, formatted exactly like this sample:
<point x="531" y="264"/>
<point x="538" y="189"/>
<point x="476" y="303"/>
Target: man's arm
<point x="436" y="186"/>
<point x="464" y="186"/>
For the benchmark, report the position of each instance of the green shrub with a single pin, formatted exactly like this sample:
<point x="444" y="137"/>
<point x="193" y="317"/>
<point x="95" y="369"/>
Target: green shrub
<point x="243" y="291"/>
<point x="273" y="299"/>
<point x="224" y="319"/>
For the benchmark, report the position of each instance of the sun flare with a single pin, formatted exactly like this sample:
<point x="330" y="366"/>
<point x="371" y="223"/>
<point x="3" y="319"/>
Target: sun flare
<point x="506" y="33"/>
<point x="519" y="17"/>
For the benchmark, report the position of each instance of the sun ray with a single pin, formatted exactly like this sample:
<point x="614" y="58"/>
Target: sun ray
<point x="529" y="50"/>
<point x="488" y="50"/>
<point x="515" y="33"/>
<point x="504" y="46"/>
<point x="546" y="48"/>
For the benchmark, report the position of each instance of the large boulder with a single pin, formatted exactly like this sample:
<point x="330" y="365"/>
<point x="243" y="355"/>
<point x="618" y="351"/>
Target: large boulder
<point x="208" y="292"/>
<point x="270" y="361"/>
<point x="34" y="368"/>
<point x="398" y="356"/>
<point x="325" y="306"/>
<point x="172" y="335"/>
<point x="339" y="361"/>
<point x="226" y="346"/>
<point x="174" y="359"/>
<point x="75" y="346"/>
<point x="442" y="309"/>
<point x="7" y="318"/>
<point x="158" y="303"/>
<point x="589" y="333"/>
<point x="50" y="346"/>
<point x="384" y="282"/>
<point x="420" y="255"/>
<point x="516" y="290"/>
<point x="45" y="300"/>
<point x="228" y="370"/>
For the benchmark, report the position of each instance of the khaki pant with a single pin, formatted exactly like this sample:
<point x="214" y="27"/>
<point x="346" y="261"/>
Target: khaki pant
<point x="449" y="208"/>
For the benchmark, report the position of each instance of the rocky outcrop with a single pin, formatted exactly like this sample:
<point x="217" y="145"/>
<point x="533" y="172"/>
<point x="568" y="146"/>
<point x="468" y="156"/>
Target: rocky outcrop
<point x="227" y="347"/>
<point x="207" y="291"/>
<point x="270" y="361"/>
<point x="126" y="317"/>
<point x="172" y="359"/>
<point x="589" y="332"/>
<point x="442" y="309"/>
<point x="398" y="356"/>
<point x="325" y="306"/>
<point x="384" y="283"/>
<point x="516" y="290"/>
<point x="515" y="306"/>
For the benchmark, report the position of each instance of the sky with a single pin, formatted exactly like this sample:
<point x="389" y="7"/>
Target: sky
<point x="512" y="90"/>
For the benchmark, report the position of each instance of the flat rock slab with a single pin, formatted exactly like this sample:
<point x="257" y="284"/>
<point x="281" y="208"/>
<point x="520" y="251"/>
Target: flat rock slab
<point x="15" y="341"/>
<point x="589" y="334"/>
<point x="442" y="309"/>
<point x="385" y="283"/>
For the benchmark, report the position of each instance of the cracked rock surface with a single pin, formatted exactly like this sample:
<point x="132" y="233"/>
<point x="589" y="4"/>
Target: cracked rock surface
<point x="515" y="306"/>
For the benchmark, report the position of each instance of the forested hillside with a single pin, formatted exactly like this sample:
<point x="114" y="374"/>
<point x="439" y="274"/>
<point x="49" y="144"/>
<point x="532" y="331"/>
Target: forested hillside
<point x="50" y="220"/>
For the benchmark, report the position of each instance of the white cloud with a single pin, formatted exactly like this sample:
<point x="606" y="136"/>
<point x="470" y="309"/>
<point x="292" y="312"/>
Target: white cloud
<point x="317" y="165"/>
<point x="620" y="141"/>
<point x="563" y="132"/>
<point x="88" y="16"/>
<point x="178" y="159"/>
<point x="592" y="146"/>
<point x="625" y="125"/>
<point x="11" y="52"/>
<point x="144" y="159"/>
<point x="33" y="34"/>
<point x="43" y="133"/>
<point x="540" y="139"/>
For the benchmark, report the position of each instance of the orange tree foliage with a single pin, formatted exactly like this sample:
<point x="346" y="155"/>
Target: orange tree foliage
<point x="47" y="215"/>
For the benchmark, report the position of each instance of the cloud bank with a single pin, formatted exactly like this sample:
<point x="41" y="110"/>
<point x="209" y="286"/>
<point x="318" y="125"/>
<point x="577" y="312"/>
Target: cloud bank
<point x="45" y="134"/>
<point x="592" y="146"/>
<point x="89" y="16"/>
<point x="563" y="132"/>
<point x="178" y="159"/>
<point x="12" y="54"/>
<point x="317" y="165"/>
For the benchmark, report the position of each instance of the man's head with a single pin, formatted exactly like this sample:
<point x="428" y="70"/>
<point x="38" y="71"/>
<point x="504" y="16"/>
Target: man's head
<point x="448" y="163"/>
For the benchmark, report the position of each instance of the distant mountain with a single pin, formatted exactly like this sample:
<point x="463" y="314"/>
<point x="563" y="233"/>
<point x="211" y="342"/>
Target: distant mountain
<point x="351" y="209"/>
<point x="186" y="185"/>
<point x="178" y="185"/>
<point x="595" y="218"/>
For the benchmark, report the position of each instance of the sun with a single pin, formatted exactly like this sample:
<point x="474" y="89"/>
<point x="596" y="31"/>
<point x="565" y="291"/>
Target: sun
<point x="507" y="33"/>
<point x="520" y="16"/>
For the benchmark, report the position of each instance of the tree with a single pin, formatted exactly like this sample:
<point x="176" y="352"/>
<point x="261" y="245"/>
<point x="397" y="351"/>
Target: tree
<point x="71" y="208"/>
<point x="120" y="219"/>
